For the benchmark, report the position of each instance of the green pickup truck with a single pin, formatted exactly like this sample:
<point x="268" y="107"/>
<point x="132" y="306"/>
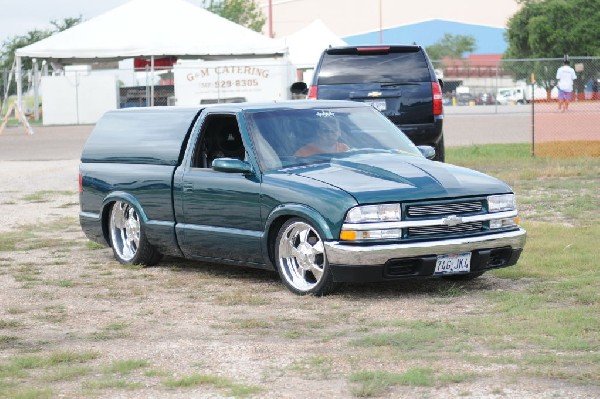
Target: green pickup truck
<point x="323" y="192"/>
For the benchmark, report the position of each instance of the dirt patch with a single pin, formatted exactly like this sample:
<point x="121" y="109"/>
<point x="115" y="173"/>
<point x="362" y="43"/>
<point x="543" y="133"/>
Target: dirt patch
<point x="188" y="329"/>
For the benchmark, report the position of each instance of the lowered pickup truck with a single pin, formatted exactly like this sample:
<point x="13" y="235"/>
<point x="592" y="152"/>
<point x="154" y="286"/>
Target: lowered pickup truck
<point x="321" y="191"/>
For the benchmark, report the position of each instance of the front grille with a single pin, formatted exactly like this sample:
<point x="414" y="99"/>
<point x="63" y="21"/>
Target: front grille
<point x="444" y="209"/>
<point x="471" y="227"/>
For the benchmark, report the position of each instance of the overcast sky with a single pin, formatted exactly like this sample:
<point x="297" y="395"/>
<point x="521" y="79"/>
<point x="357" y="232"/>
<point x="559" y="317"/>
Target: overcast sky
<point x="20" y="17"/>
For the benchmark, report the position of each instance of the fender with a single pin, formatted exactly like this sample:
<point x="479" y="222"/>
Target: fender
<point x="295" y="210"/>
<point x="159" y="233"/>
<point x="123" y="196"/>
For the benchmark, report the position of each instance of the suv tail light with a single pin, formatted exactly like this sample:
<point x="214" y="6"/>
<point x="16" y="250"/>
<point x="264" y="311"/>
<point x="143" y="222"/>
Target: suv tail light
<point x="438" y="106"/>
<point x="80" y="183"/>
<point x="312" y="92"/>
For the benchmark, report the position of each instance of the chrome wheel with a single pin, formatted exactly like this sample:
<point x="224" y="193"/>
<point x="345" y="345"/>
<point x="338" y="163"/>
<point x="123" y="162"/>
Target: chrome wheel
<point x="301" y="256"/>
<point x="124" y="231"/>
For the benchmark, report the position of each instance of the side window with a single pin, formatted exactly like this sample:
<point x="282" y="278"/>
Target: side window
<point x="220" y="138"/>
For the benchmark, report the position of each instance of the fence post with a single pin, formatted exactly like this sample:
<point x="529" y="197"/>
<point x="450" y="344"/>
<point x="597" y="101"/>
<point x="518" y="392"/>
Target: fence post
<point x="532" y="115"/>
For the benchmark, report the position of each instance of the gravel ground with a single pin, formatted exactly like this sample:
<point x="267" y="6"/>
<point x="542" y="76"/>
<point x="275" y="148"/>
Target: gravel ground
<point x="231" y="332"/>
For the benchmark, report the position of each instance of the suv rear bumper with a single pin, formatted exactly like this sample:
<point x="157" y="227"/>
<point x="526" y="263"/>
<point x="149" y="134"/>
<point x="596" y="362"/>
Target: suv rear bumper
<point x="426" y="133"/>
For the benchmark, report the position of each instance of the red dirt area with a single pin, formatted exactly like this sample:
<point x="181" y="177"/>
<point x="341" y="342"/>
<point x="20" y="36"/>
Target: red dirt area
<point x="580" y="122"/>
<point x="575" y="132"/>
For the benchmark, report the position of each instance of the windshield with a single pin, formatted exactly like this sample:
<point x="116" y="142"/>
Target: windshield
<point x="294" y="137"/>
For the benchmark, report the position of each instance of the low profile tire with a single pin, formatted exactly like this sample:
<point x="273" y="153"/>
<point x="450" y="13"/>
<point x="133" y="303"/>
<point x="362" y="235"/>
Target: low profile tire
<point x="301" y="259"/>
<point x="440" y="151"/>
<point x="127" y="237"/>
<point x="463" y="277"/>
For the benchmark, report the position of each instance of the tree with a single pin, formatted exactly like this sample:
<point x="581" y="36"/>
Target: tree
<point x="242" y="12"/>
<point x="10" y="46"/>
<point x="553" y="29"/>
<point x="452" y="46"/>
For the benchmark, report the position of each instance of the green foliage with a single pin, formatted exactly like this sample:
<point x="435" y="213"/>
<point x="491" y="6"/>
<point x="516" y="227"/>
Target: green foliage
<point x="552" y="28"/>
<point x="11" y="45"/>
<point x="242" y="12"/>
<point x="235" y="389"/>
<point x="453" y="46"/>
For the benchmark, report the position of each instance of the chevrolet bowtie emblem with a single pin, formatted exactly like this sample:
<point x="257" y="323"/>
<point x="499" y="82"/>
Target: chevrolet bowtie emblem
<point x="452" y="220"/>
<point x="375" y="94"/>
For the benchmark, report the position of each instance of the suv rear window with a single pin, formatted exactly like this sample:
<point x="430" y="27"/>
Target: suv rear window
<point x="382" y="66"/>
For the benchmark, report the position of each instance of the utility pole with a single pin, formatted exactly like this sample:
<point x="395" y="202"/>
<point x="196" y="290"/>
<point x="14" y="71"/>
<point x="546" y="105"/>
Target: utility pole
<point x="271" y="19"/>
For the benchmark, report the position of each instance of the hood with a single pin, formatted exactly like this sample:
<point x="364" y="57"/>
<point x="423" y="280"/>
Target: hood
<point x="374" y="178"/>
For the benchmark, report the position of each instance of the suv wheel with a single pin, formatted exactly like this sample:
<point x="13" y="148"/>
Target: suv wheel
<point x="440" y="151"/>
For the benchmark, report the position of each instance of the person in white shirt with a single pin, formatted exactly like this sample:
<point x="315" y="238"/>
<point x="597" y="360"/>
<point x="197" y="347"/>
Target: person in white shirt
<point x="565" y="76"/>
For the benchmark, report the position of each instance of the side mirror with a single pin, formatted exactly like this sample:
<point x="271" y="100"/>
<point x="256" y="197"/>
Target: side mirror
<point x="427" y="151"/>
<point x="299" y="88"/>
<point x="231" y="165"/>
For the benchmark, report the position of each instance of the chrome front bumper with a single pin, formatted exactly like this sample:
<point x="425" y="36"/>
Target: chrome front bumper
<point x="364" y="255"/>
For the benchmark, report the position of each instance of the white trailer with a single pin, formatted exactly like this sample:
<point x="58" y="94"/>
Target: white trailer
<point x="234" y="80"/>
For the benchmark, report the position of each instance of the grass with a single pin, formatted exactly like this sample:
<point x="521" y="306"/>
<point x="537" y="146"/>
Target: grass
<point x="234" y="389"/>
<point x="535" y="321"/>
<point x="125" y="367"/>
<point x="376" y="383"/>
<point x="111" y="331"/>
<point x="45" y="196"/>
<point x="549" y="326"/>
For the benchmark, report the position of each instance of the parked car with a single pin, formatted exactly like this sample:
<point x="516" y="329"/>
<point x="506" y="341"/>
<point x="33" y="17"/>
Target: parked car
<point x="465" y="99"/>
<point x="485" y="99"/>
<point x="399" y="81"/>
<point x="321" y="191"/>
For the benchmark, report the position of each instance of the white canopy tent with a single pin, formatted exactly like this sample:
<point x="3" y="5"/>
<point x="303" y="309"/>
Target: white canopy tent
<point x="151" y="29"/>
<point x="307" y="44"/>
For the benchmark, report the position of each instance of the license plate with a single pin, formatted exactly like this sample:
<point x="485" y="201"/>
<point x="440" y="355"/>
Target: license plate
<point x="379" y="105"/>
<point x="453" y="263"/>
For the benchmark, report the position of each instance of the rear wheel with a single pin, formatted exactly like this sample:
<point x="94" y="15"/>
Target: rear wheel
<point x="127" y="237"/>
<point x="440" y="151"/>
<point x="301" y="259"/>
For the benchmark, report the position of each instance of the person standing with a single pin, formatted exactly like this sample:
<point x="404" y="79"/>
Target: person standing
<point x="565" y="76"/>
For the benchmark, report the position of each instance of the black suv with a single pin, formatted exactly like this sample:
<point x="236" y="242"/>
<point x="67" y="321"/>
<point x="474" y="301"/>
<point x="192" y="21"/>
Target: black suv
<point x="399" y="81"/>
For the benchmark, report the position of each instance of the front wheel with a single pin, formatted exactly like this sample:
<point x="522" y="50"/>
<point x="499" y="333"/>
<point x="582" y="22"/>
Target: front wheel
<point x="127" y="237"/>
<point x="301" y="259"/>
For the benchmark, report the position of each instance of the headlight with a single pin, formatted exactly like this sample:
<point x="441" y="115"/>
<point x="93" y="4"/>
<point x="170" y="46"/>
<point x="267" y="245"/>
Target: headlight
<point x="500" y="203"/>
<point x="374" y="213"/>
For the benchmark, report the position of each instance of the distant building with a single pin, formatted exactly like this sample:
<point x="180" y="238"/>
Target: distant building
<point x="490" y="40"/>
<point x="350" y="18"/>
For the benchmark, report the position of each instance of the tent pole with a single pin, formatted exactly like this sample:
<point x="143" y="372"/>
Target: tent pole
<point x="18" y="79"/>
<point x="36" y="91"/>
<point x="152" y="81"/>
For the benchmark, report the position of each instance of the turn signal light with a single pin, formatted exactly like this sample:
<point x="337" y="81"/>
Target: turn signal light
<point x="312" y="93"/>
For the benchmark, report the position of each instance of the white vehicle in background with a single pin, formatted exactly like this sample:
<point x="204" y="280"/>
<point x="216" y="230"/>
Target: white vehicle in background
<point x="520" y="94"/>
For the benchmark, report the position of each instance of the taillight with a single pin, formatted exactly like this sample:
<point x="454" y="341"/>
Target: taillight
<point x="438" y="106"/>
<point x="312" y="93"/>
<point x="80" y="183"/>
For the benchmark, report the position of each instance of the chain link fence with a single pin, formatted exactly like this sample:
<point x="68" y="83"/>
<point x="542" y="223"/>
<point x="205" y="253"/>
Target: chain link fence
<point x="525" y="94"/>
<point x="487" y="100"/>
